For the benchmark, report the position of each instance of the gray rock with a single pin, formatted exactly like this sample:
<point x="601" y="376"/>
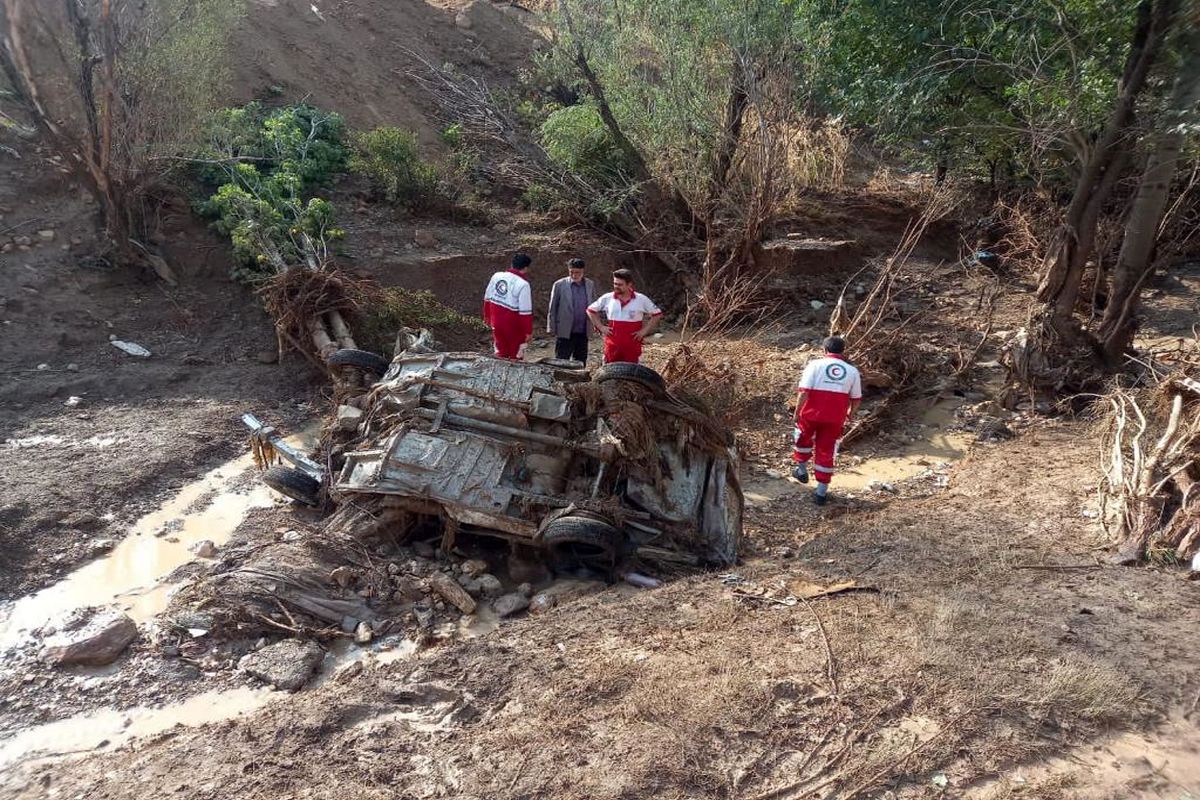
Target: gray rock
<point x="46" y="235"/>
<point x="286" y="665"/>
<point x="510" y="604"/>
<point x="364" y="633"/>
<point x="474" y="567"/>
<point x="349" y="624"/>
<point x="425" y="238"/>
<point x="490" y="585"/>
<point x="98" y="642"/>
<point x="204" y="549"/>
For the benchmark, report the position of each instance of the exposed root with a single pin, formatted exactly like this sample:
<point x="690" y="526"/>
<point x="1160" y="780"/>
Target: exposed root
<point x="1150" y="492"/>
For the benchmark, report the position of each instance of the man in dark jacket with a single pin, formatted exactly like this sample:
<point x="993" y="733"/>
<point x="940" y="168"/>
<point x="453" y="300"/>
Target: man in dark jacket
<point x="567" y="318"/>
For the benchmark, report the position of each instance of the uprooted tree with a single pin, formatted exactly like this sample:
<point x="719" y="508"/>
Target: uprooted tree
<point x="118" y="89"/>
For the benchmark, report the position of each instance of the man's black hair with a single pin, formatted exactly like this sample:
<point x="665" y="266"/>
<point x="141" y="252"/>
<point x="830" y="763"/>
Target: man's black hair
<point x="575" y="263"/>
<point x="624" y="274"/>
<point x="835" y="345"/>
<point x="521" y="261"/>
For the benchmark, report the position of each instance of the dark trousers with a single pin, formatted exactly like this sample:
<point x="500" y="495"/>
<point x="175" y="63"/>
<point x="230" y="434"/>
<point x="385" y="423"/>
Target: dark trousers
<point x="573" y="348"/>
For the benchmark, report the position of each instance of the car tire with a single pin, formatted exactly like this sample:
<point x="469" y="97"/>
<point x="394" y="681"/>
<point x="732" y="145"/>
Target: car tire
<point x="584" y="540"/>
<point x="360" y="359"/>
<point x="294" y="483"/>
<point x="635" y="373"/>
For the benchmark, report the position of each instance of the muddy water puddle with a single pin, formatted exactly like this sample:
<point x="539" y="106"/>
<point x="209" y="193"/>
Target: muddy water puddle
<point x="938" y="446"/>
<point x="129" y="576"/>
<point x="108" y="729"/>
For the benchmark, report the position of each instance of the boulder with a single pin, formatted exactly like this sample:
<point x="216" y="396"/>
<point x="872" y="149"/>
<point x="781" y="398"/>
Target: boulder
<point x="286" y="665"/>
<point x="96" y="643"/>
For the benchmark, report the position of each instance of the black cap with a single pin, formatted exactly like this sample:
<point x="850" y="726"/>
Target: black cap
<point x="521" y="261"/>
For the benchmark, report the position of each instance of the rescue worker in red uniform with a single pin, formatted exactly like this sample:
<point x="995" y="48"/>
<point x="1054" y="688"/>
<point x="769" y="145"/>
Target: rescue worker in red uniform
<point x="508" y="309"/>
<point x="631" y="318"/>
<point x="830" y="393"/>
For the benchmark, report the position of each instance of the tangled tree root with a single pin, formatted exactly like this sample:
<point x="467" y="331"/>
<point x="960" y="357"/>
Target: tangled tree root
<point x="310" y="308"/>
<point x="1150" y="492"/>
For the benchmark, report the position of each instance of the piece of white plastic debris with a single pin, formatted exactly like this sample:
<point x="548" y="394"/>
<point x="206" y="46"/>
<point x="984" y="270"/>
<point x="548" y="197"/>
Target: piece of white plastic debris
<point x="817" y="305"/>
<point x="131" y="348"/>
<point x="1196" y="562"/>
<point x="43" y="367"/>
<point x="940" y="780"/>
<point x="74" y="401"/>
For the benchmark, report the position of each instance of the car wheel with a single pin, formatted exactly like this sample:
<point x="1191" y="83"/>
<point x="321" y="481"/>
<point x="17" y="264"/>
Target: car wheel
<point x="636" y="373"/>
<point x="294" y="483"/>
<point x="360" y="359"/>
<point x="582" y="541"/>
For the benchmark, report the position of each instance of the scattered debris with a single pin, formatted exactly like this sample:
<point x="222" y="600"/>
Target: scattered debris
<point x="130" y="348"/>
<point x="452" y="592"/>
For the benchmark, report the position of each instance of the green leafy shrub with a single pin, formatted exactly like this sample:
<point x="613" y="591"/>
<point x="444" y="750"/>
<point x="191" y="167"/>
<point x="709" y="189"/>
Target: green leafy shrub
<point x="577" y="140"/>
<point x="390" y="159"/>
<point x="265" y="166"/>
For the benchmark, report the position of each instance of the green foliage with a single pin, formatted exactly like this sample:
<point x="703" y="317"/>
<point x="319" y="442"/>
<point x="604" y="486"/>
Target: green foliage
<point x="452" y="136"/>
<point x="667" y="70"/>
<point x="298" y="139"/>
<point x="539" y="197"/>
<point x="981" y="83"/>
<point x="390" y="159"/>
<point x="576" y="139"/>
<point x="404" y="308"/>
<point x="266" y="165"/>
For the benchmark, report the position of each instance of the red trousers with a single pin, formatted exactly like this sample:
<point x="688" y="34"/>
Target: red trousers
<point x="817" y="441"/>
<point x="622" y="348"/>
<point x="507" y="342"/>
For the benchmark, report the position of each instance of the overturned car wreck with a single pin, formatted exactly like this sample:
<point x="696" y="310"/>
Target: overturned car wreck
<point x="606" y="470"/>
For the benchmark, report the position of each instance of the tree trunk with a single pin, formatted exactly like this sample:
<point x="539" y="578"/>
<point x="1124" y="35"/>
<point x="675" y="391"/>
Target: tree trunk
<point x="1141" y="228"/>
<point x="1059" y="290"/>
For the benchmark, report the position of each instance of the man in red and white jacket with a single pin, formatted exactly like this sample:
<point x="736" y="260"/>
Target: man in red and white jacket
<point x="830" y="392"/>
<point x="508" y="309"/>
<point x="631" y="318"/>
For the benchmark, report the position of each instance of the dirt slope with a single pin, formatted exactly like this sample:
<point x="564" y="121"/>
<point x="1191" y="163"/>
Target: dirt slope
<point x="353" y="56"/>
